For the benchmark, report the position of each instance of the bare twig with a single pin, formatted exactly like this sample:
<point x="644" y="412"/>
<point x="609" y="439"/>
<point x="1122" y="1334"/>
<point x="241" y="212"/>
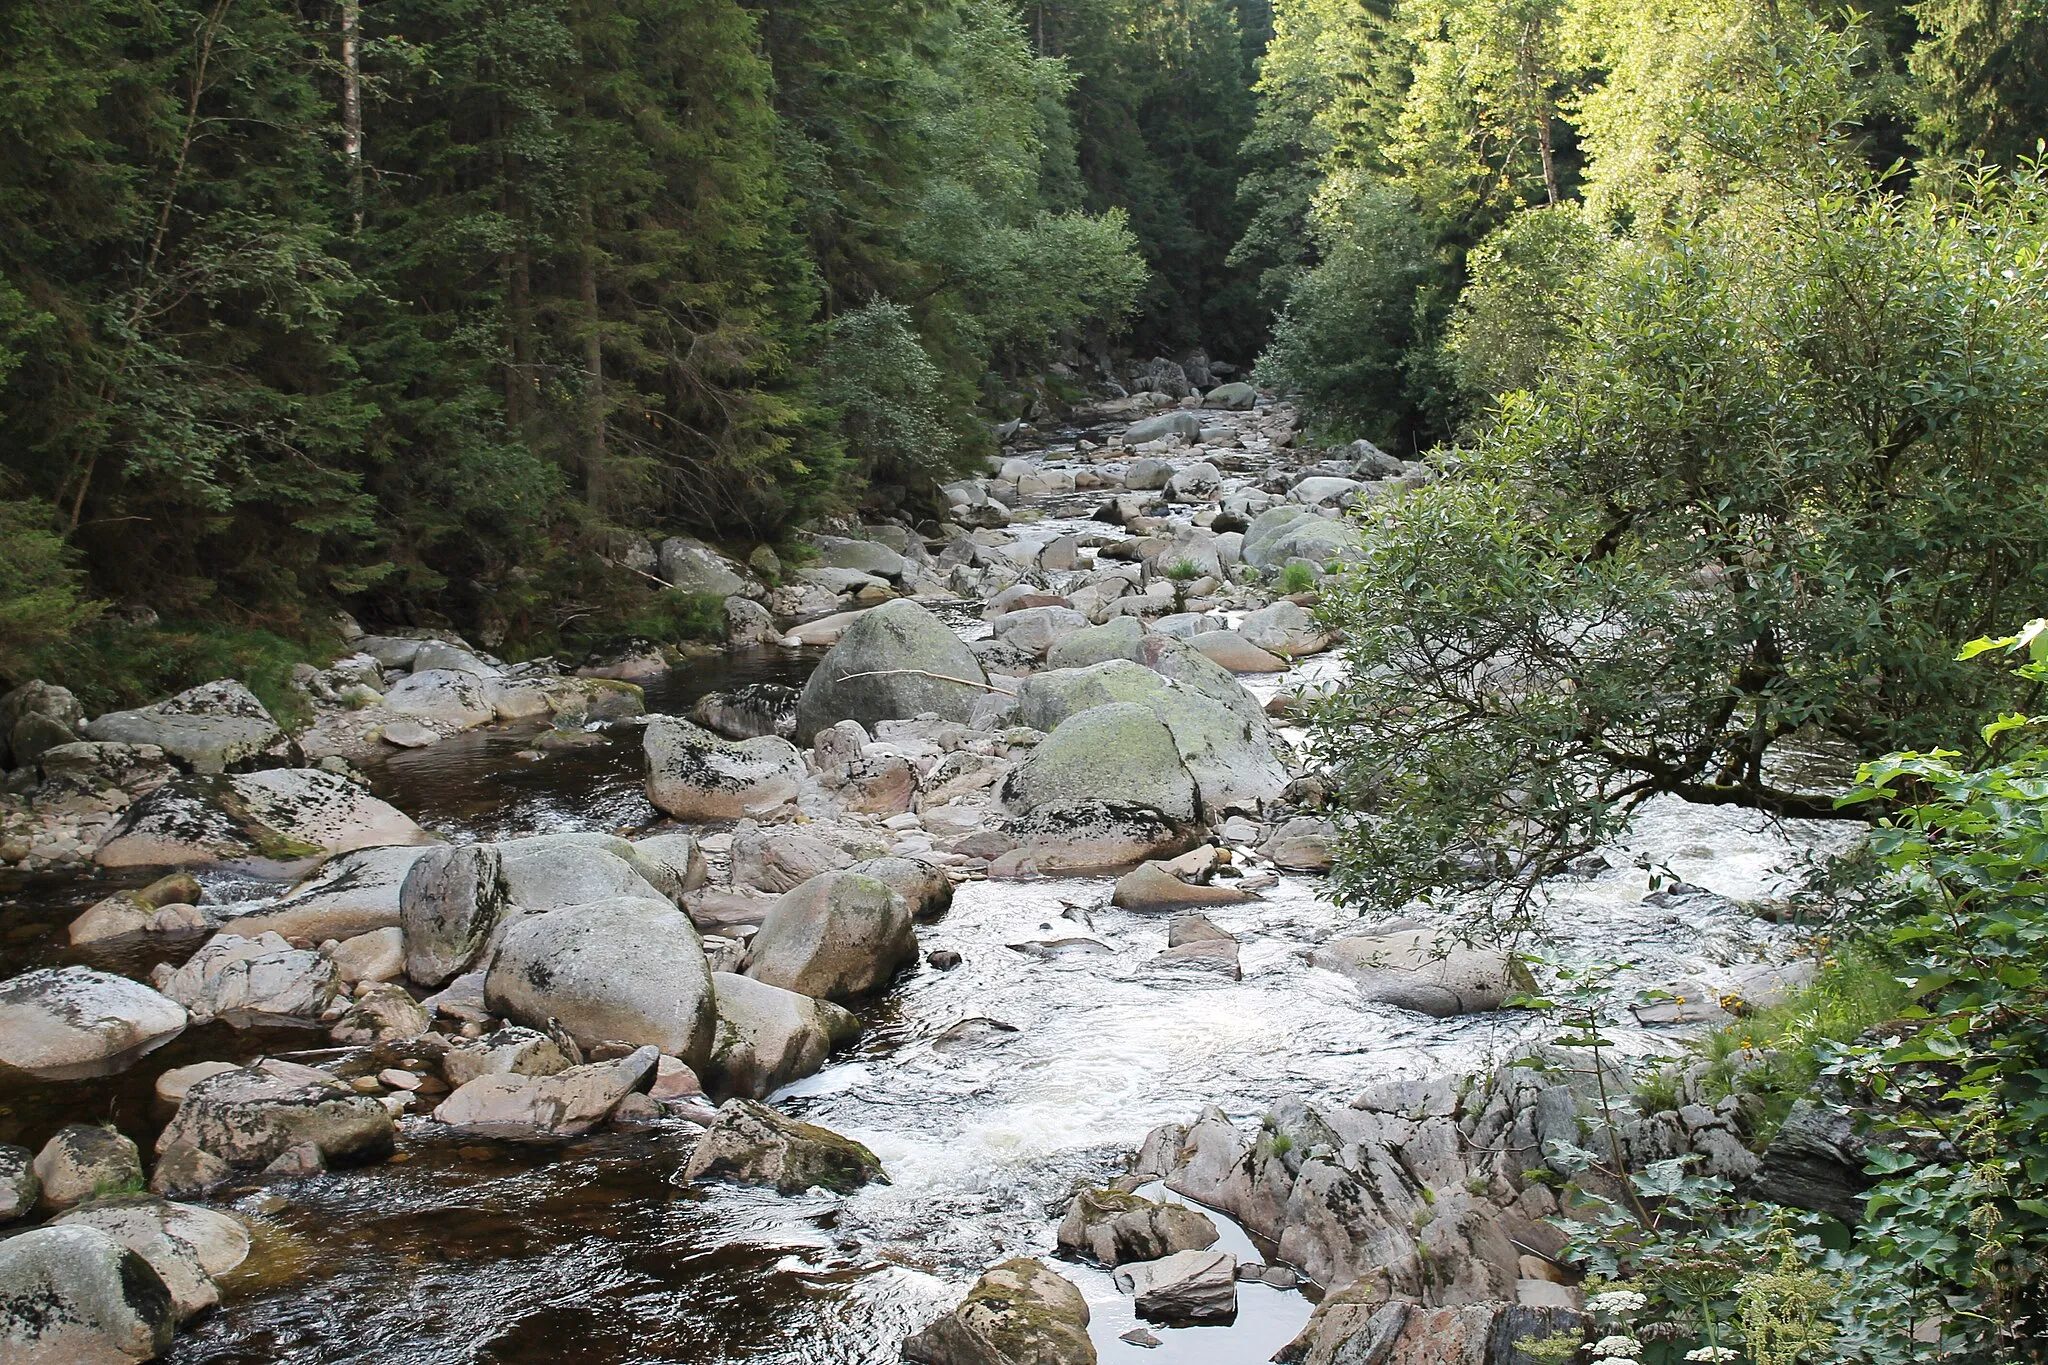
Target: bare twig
<point x="920" y="673"/>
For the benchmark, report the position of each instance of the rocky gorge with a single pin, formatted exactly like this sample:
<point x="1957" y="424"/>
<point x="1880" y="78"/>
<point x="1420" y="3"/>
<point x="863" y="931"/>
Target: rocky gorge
<point x="946" y="974"/>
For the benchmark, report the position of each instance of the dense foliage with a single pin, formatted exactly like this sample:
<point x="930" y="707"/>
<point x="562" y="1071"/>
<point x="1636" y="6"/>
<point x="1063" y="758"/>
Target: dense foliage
<point x="407" y="307"/>
<point x="1781" y="446"/>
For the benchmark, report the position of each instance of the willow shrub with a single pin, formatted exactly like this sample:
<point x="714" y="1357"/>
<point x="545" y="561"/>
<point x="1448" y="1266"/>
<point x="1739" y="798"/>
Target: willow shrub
<point x="1791" y="450"/>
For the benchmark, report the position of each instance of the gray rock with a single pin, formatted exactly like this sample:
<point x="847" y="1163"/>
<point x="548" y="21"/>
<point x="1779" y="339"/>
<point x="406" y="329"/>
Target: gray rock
<point x="1147" y="475"/>
<point x="381" y="1011"/>
<point x="1020" y="1312"/>
<point x="129" y="912"/>
<point x="184" y="1244"/>
<point x="85" y="1161"/>
<point x="748" y="711"/>
<point x="1114" y="1227"/>
<point x="893" y="663"/>
<point x="748" y="624"/>
<point x="553" y="872"/>
<point x="376" y="956"/>
<point x="1284" y="628"/>
<point x="63" y="1023"/>
<point x="692" y="566"/>
<point x="1149" y="887"/>
<point x="283" y="816"/>
<point x="76" y="1296"/>
<point x="444" y="698"/>
<point x="1305" y="843"/>
<point x="1815" y="1161"/>
<point x="1037" y="629"/>
<point x="249" y="1117"/>
<point x="1414" y="969"/>
<point x="837" y="936"/>
<point x="1188" y="1286"/>
<point x="1234" y="397"/>
<point x="926" y="889"/>
<point x="751" y="1144"/>
<point x="561" y="1104"/>
<point x="692" y="774"/>
<point x="36" y="717"/>
<point x="1178" y="425"/>
<point x="1093" y="837"/>
<point x="781" y="860"/>
<point x="1199" y="482"/>
<point x="351" y="893"/>
<point x="451" y="901"/>
<point x="630" y="970"/>
<point x="19" y="1188"/>
<point x="673" y="861"/>
<point x="251" y="980"/>
<point x="435" y="655"/>
<point x="865" y="556"/>
<point x="1234" y="652"/>
<point x="768" y="1036"/>
<point x="1119" y="753"/>
<point x="1291" y="531"/>
<point x="1324" y="491"/>
<point x="215" y="727"/>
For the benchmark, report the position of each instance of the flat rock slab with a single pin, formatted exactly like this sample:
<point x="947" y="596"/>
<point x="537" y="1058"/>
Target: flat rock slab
<point x="65" y="1023"/>
<point x="285" y="816"/>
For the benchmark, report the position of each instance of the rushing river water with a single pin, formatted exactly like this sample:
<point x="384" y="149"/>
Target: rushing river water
<point x="988" y="1092"/>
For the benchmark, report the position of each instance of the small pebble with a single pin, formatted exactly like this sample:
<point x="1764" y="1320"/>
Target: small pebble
<point x="943" y="959"/>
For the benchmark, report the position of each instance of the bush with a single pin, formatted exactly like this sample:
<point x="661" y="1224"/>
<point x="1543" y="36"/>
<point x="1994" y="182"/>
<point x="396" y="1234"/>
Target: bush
<point x="114" y="664"/>
<point x="1296" y="578"/>
<point x="40" y="588"/>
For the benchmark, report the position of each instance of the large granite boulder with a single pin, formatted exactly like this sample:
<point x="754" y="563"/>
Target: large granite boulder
<point x="1292" y="531"/>
<point x="838" y="936"/>
<point x="617" y="970"/>
<point x="1419" y="969"/>
<point x="1115" y="1227"/>
<point x="1186" y="1287"/>
<point x="1096" y="836"/>
<point x="895" y="662"/>
<point x="216" y="727"/>
<point x="67" y="1022"/>
<point x="281" y="816"/>
<point x="1118" y="753"/>
<point x="693" y="567"/>
<point x="76" y="1296"/>
<point x="751" y="1144"/>
<point x="768" y="1036"/>
<point x="349" y="894"/>
<point x="1021" y="1312"/>
<point x="186" y="1245"/>
<point x="249" y="1117"/>
<point x="561" y="1104"/>
<point x="450" y="903"/>
<point x="692" y="774"/>
<point x="554" y="871"/>
<point x="251" y="980"/>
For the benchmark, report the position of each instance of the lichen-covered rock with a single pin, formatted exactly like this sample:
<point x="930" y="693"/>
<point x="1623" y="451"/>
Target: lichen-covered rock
<point x="1115" y="1227"/>
<point x="1283" y="628"/>
<point x="673" y="861"/>
<point x="215" y="727"/>
<point x="250" y="978"/>
<point x="250" y="1116"/>
<point x="1020" y="1312"/>
<point x="1094" y="836"/>
<point x="926" y="889"/>
<point x="62" y="1023"/>
<point x="1119" y="753"/>
<point x="894" y="662"/>
<point x="1305" y="843"/>
<point x="781" y="860"/>
<point x="837" y="936"/>
<point x="76" y="1296"/>
<point x="627" y="970"/>
<point x="130" y="912"/>
<point x="1418" y="969"/>
<point x="351" y="893"/>
<point x="552" y="871"/>
<point x="381" y="1012"/>
<point x="750" y="710"/>
<point x="512" y="1050"/>
<point x="286" y="816"/>
<point x="1292" y="531"/>
<point x="19" y="1188"/>
<point x="561" y="1104"/>
<point x="85" y="1161"/>
<point x="451" y="900"/>
<point x="187" y="1246"/>
<point x="692" y="566"/>
<point x="768" y="1036"/>
<point x="751" y="1144"/>
<point x="446" y="699"/>
<point x="692" y="774"/>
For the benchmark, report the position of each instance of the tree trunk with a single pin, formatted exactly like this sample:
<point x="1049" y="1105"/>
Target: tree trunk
<point x="595" y="462"/>
<point x="352" y="107"/>
<point x="1543" y="119"/>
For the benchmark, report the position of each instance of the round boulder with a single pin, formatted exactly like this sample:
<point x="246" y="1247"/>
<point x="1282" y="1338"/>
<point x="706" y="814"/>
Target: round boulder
<point x="76" y="1296"/>
<point x="628" y="969"/>
<point x="692" y="774"/>
<point x="837" y="936"/>
<point x="1121" y="753"/>
<point x="63" y="1023"/>
<point x="895" y="662"/>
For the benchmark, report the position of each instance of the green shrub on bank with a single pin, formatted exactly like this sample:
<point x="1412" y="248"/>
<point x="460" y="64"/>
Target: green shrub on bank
<point x="114" y="664"/>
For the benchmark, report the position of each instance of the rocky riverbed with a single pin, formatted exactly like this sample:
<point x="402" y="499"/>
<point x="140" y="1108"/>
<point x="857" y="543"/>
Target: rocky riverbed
<point x="441" y="1029"/>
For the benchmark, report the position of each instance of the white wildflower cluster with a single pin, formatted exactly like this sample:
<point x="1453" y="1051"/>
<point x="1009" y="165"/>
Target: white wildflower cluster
<point x="1617" y="1348"/>
<point x="1617" y="1301"/>
<point x="1715" y="1355"/>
